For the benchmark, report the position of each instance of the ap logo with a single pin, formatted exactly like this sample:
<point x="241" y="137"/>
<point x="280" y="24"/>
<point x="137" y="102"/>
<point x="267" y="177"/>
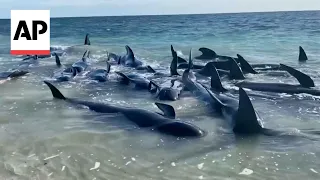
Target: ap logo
<point x="30" y="32"/>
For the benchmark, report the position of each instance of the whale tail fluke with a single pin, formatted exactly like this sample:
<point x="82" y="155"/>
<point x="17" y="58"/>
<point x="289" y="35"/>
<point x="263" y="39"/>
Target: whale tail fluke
<point x="245" y="120"/>
<point x="302" y="55"/>
<point x="55" y="92"/>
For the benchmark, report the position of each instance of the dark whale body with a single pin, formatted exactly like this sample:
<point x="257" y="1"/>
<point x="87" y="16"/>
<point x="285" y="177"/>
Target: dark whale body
<point x="163" y="123"/>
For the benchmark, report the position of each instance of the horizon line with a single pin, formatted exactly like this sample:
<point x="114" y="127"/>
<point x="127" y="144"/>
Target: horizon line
<point x="177" y="14"/>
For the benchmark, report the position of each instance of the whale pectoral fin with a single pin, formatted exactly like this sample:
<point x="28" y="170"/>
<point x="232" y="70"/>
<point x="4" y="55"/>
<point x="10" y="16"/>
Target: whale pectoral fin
<point x="55" y="92"/>
<point x="58" y="62"/>
<point x="150" y="69"/>
<point x="216" y="84"/>
<point x="174" y="65"/>
<point x="304" y="80"/>
<point x="245" y="66"/>
<point x="302" y="55"/>
<point x="87" y="40"/>
<point x="168" y="111"/>
<point x="245" y="119"/>
<point x="235" y="71"/>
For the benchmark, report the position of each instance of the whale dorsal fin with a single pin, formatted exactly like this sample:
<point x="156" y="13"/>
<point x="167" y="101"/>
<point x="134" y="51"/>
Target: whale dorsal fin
<point x="108" y="67"/>
<point x="58" y="62"/>
<point x="207" y="69"/>
<point x="302" y="54"/>
<point x="208" y="52"/>
<point x="235" y="71"/>
<point x="130" y="53"/>
<point x="55" y="92"/>
<point x="216" y="84"/>
<point x="190" y="65"/>
<point x="304" y="80"/>
<point x="245" y="66"/>
<point x="84" y="56"/>
<point x="245" y="119"/>
<point x="168" y="111"/>
<point x="174" y="64"/>
<point x="87" y="40"/>
<point x="150" y="69"/>
<point x="174" y="53"/>
<point x="126" y="79"/>
<point x="154" y="84"/>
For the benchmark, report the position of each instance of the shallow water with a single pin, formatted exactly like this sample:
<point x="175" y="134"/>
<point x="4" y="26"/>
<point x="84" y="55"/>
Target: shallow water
<point x="42" y="138"/>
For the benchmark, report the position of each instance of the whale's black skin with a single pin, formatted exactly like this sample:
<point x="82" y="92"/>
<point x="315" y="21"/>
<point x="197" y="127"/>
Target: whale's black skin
<point x="63" y="73"/>
<point x="87" y="40"/>
<point x="13" y="73"/>
<point x="173" y="68"/>
<point x="305" y="86"/>
<point x="209" y="54"/>
<point x="129" y="59"/>
<point x="174" y="54"/>
<point x="100" y="75"/>
<point x="302" y="55"/>
<point x="190" y="82"/>
<point x="163" y="123"/>
<point x="139" y="82"/>
<point x="168" y="93"/>
<point x="81" y="66"/>
<point x="234" y="72"/>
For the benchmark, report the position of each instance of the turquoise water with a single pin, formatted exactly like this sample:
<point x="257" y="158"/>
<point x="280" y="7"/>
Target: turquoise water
<point x="45" y="139"/>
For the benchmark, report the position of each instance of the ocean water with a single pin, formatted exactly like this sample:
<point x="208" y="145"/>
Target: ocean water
<point x="42" y="138"/>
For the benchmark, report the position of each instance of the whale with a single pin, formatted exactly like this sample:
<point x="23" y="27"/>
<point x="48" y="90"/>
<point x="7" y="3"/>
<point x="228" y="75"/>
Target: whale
<point x="306" y="84"/>
<point x="173" y="68"/>
<point x="100" y="75"/>
<point x="87" y="40"/>
<point x="138" y="81"/>
<point x="234" y="72"/>
<point x="302" y="55"/>
<point x="165" y="123"/>
<point x="209" y="54"/>
<point x="168" y="93"/>
<point x="174" y="54"/>
<point x="197" y="90"/>
<point x="82" y="64"/>
<point x="129" y="59"/>
<point x="14" y="73"/>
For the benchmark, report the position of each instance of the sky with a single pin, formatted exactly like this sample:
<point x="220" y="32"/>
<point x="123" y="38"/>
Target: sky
<point x="71" y="8"/>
